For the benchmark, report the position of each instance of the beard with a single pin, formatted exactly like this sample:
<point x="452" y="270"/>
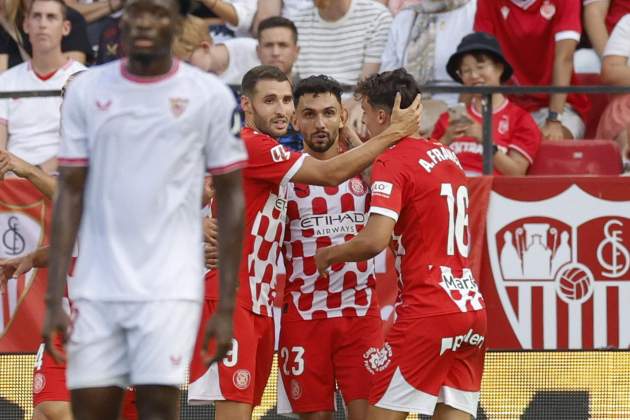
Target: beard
<point x="317" y="144"/>
<point x="266" y="127"/>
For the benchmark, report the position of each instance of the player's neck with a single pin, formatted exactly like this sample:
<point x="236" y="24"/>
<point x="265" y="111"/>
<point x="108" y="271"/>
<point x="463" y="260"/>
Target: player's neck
<point x="150" y="67"/>
<point x="48" y="62"/>
<point x="335" y="11"/>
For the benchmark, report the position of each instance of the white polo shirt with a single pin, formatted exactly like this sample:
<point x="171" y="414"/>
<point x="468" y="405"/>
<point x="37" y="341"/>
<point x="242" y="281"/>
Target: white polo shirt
<point x="33" y="123"/>
<point x="148" y="143"/>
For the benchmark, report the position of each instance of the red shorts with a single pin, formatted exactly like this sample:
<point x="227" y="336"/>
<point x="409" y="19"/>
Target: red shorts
<point x="49" y="383"/>
<point x="242" y="375"/>
<point x="431" y="360"/>
<point x="317" y="354"/>
<point x="49" y="377"/>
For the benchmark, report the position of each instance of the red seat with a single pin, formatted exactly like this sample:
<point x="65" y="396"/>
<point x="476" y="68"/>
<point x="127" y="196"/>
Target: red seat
<point x="577" y="157"/>
<point x="599" y="102"/>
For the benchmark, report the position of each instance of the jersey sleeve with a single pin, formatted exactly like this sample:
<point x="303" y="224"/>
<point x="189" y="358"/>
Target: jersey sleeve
<point x="74" y="148"/>
<point x="271" y="161"/>
<point x="483" y="17"/>
<point x="619" y="41"/>
<point x="387" y="189"/>
<point x="224" y="150"/>
<point x="440" y="127"/>
<point x="526" y="137"/>
<point x="568" y="21"/>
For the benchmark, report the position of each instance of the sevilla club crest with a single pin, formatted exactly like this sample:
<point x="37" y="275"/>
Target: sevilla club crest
<point x="561" y="268"/>
<point x="178" y="106"/>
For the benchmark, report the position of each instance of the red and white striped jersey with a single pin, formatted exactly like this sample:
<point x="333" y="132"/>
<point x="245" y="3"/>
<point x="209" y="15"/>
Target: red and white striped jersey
<point x="318" y="217"/>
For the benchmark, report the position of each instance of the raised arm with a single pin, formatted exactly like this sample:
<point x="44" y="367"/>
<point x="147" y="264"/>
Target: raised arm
<point x="230" y="213"/>
<point x="334" y="171"/>
<point x="67" y="212"/>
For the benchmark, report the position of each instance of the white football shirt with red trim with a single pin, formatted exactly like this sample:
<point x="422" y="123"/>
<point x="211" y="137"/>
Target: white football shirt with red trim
<point x="319" y="217"/>
<point x="148" y="142"/>
<point x="420" y="184"/>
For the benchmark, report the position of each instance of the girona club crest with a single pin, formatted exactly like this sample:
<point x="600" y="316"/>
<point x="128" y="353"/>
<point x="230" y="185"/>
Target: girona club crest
<point x="21" y="232"/>
<point x="561" y="268"/>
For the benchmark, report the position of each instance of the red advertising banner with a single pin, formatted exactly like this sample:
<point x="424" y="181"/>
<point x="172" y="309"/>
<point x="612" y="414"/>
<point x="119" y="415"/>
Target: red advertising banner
<point x="551" y="255"/>
<point x="24" y="226"/>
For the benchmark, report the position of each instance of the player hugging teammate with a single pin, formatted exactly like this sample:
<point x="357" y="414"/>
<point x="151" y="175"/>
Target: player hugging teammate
<point x="431" y="362"/>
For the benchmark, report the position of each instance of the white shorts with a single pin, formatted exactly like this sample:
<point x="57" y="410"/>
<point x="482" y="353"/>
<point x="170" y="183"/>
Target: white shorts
<point x="131" y="343"/>
<point x="570" y="119"/>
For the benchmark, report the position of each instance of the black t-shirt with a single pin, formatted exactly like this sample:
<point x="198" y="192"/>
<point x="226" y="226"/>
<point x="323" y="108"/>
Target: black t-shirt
<point x="76" y="40"/>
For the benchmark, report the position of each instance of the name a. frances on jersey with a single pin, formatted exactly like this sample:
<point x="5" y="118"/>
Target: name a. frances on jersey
<point x="437" y="155"/>
<point x="382" y="188"/>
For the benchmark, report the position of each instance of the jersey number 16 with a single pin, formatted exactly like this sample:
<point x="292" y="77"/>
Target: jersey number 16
<point x="457" y="218"/>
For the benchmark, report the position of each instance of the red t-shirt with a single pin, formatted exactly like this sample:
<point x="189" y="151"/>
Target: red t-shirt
<point x="421" y="185"/>
<point x="527" y="35"/>
<point x="269" y="169"/>
<point x="512" y="128"/>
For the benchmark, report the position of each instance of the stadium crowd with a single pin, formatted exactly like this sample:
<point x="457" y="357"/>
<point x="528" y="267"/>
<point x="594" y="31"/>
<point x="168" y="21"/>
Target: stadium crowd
<point x="317" y="76"/>
<point x="350" y="40"/>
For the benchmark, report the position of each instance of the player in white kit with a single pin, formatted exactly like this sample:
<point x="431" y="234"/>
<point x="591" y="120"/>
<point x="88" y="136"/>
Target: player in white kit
<point x="138" y="136"/>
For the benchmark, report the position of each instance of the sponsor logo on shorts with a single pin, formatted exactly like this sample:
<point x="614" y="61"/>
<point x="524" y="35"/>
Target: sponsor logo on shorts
<point x="242" y="379"/>
<point x="296" y="389"/>
<point x="454" y="343"/>
<point x="377" y="360"/>
<point x="382" y="188"/>
<point x="39" y="382"/>
<point x="175" y="360"/>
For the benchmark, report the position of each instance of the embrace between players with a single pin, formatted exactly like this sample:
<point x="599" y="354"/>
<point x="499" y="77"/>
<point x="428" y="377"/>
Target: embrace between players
<point x="137" y="135"/>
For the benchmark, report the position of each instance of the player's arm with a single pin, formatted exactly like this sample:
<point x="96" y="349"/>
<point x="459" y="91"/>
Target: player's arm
<point x="4" y="135"/>
<point x="332" y="172"/>
<point x="230" y="210"/>
<point x="373" y="239"/>
<point x="15" y="267"/>
<point x="67" y="211"/>
<point x="45" y="183"/>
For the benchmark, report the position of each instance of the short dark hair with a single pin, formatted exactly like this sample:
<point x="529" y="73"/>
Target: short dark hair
<point x="62" y="3"/>
<point x="380" y="89"/>
<point x="317" y="84"/>
<point x="278" y="22"/>
<point x="254" y="75"/>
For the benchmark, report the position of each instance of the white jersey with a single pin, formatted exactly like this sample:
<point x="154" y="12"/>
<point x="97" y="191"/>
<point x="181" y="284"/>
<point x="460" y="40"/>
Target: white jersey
<point x="147" y="142"/>
<point x="33" y="123"/>
<point x="319" y="217"/>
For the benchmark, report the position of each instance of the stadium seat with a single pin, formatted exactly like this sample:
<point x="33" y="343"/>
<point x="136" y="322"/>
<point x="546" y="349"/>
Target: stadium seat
<point x="598" y="102"/>
<point x="577" y="157"/>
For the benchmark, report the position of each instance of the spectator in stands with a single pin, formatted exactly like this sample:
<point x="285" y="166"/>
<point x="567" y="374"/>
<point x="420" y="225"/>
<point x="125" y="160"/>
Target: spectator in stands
<point x="277" y="44"/>
<point x="29" y="127"/>
<point x="15" y="46"/>
<point x="615" y="121"/>
<point x="343" y="39"/>
<point x="229" y="60"/>
<point x="99" y="14"/>
<point x="539" y="38"/>
<point x="422" y="38"/>
<point x="285" y="8"/>
<point x="227" y="18"/>
<point x="109" y="42"/>
<point x="600" y="18"/>
<point x="479" y="61"/>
